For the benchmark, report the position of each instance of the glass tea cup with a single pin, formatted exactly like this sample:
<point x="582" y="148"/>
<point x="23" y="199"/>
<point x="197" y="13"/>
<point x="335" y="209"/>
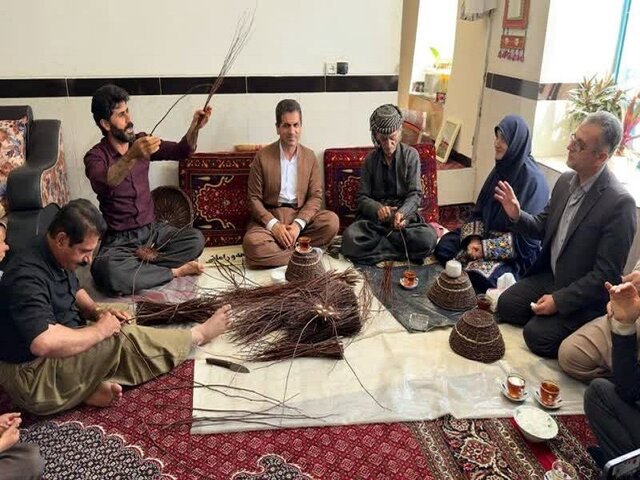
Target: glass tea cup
<point x="515" y="385"/>
<point x="561" y="470"/>
<point x="304" y="244"/>
<point x="409" y="278"/>
<point x="549" y="392"/>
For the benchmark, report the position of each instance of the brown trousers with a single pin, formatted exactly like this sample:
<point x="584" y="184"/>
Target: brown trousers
<point x="586" y="354"/>
<point x="46" y="386"/>
<point x="263" y="251"/>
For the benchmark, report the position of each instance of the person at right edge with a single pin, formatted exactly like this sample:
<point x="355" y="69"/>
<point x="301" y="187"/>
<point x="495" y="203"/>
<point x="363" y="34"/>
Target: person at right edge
<point x="611" y="405"/>
<point x="587" y="229"/>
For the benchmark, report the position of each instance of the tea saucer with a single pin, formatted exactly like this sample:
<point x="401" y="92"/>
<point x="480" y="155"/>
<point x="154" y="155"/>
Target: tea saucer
<point x="555" y="406"/>
<point x="403" y="285"/>
<point x="505" y="392"/>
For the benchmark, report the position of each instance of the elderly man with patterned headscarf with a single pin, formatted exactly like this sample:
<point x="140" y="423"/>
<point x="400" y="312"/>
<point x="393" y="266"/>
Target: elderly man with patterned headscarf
<point x="388" y="199"/>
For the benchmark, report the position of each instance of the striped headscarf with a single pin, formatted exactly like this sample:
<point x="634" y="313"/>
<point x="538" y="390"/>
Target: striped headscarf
<point x="385" y="119"/>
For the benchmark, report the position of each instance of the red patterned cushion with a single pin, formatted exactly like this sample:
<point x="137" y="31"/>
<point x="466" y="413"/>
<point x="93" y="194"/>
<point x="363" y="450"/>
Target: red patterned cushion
<point x="217" y="183"/>
<point x="342" y="179"/>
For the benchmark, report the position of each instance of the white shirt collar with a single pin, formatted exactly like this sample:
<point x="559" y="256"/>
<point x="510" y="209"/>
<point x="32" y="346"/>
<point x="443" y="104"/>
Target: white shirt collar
<point x="283" y="156"/>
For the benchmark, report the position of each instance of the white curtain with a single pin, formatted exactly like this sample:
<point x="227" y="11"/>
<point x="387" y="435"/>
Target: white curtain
<point x="476" y="9"/>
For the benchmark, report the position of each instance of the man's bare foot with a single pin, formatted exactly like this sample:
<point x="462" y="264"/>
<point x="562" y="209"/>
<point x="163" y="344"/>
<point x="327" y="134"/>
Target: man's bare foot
<point x="194" y="267"/>
<point x="215" y="325"/>
<point x="106" y="394"/>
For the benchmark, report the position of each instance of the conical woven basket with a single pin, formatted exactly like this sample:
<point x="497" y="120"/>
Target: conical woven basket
<point x="304" y="265"/>
<point x="452" y="293"/>
<point x="476" y="336"/>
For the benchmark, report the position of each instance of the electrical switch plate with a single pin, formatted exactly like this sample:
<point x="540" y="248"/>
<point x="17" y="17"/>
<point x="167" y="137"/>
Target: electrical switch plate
<point x="330" y="68"/>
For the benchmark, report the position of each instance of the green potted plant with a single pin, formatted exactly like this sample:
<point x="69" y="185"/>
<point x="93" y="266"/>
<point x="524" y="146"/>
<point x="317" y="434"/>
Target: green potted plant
<point x="593" y="95"/>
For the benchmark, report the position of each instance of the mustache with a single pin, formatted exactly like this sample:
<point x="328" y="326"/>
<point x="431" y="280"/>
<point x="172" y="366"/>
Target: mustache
<point x="129" y="125"/>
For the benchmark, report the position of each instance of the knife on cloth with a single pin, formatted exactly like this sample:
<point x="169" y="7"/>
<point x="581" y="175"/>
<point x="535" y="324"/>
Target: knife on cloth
<point x="235" y="367"/>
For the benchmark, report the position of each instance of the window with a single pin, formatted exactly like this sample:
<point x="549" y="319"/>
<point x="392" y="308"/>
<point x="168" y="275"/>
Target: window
<point x="627" y="62"/>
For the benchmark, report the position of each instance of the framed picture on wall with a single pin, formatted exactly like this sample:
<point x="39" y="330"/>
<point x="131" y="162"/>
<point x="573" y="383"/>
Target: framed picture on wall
<point x="516" y="14"/>
<point x="446" y="138"/>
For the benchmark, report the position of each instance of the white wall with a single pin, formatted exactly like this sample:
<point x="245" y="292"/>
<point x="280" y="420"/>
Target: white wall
<point x="496" y="104"/>
<point x="71" y="38"/>
<point x="170" y="38"/>
<point x="534" y="47"/>
<point x="467" y="81"/>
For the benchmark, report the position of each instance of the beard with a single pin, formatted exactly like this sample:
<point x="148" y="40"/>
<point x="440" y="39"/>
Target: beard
<point x="122" y="135"/>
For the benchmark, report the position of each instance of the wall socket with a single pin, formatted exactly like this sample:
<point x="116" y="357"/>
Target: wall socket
<point x="330" y="68"/>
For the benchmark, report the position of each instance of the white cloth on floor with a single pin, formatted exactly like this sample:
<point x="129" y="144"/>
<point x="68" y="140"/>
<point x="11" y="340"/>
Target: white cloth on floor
<point x="414" y="376"/>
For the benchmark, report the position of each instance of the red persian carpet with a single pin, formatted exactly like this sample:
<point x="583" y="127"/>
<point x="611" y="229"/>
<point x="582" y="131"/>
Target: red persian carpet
<point x="132" y="432"/>
<point x="453" y="216"/>
<point x="217" y="183"/>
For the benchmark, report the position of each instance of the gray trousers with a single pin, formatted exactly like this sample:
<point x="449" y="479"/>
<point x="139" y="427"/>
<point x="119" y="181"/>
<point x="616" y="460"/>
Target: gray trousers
<point x="118" y="271"/>
<point x="615" y="422"/>
<point x="368" y="242"/>
<point x="21" y="462"/>
<point x="543" y="334"/>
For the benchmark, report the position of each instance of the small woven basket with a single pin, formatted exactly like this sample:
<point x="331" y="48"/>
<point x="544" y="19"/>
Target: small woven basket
<point x="476" y="336"/>
<point x="173" y="206"/>
<point x="452" y="293"/>
<point x="304" y="265"/>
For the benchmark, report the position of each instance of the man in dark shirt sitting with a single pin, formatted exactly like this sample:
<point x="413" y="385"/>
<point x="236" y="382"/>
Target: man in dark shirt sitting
<point x="612" y="405"/>
<point x="50" y="359"/>
<point x="118" y="169"/>
<point x="389" y="225"/>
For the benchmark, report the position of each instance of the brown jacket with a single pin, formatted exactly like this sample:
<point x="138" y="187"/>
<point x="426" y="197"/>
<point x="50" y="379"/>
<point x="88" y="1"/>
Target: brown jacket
<point x="264" y="184"/>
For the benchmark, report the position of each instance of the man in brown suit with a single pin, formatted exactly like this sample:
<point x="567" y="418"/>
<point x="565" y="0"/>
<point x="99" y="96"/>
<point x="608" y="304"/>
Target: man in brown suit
<point x="285" y="194"/>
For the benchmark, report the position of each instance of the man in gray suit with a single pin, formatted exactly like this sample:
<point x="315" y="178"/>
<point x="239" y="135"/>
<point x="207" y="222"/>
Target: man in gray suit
<point x="586" y="229"/>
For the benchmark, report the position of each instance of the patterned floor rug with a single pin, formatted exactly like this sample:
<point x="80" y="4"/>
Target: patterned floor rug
<point x="134" y="434"/>
<point x="453" y="216"/>
<point x="73" y="451"/>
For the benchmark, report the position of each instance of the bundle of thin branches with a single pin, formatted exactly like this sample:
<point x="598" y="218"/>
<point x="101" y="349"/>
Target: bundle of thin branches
<point x="273" y="351"/>
<point x="240" y="37"/>
<point x="316" y="309"/>
<point x="386" y="284"/>
<point x="195" y="310"/>
<point x="305" y="317"/>
<point x="147" y="254"/>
